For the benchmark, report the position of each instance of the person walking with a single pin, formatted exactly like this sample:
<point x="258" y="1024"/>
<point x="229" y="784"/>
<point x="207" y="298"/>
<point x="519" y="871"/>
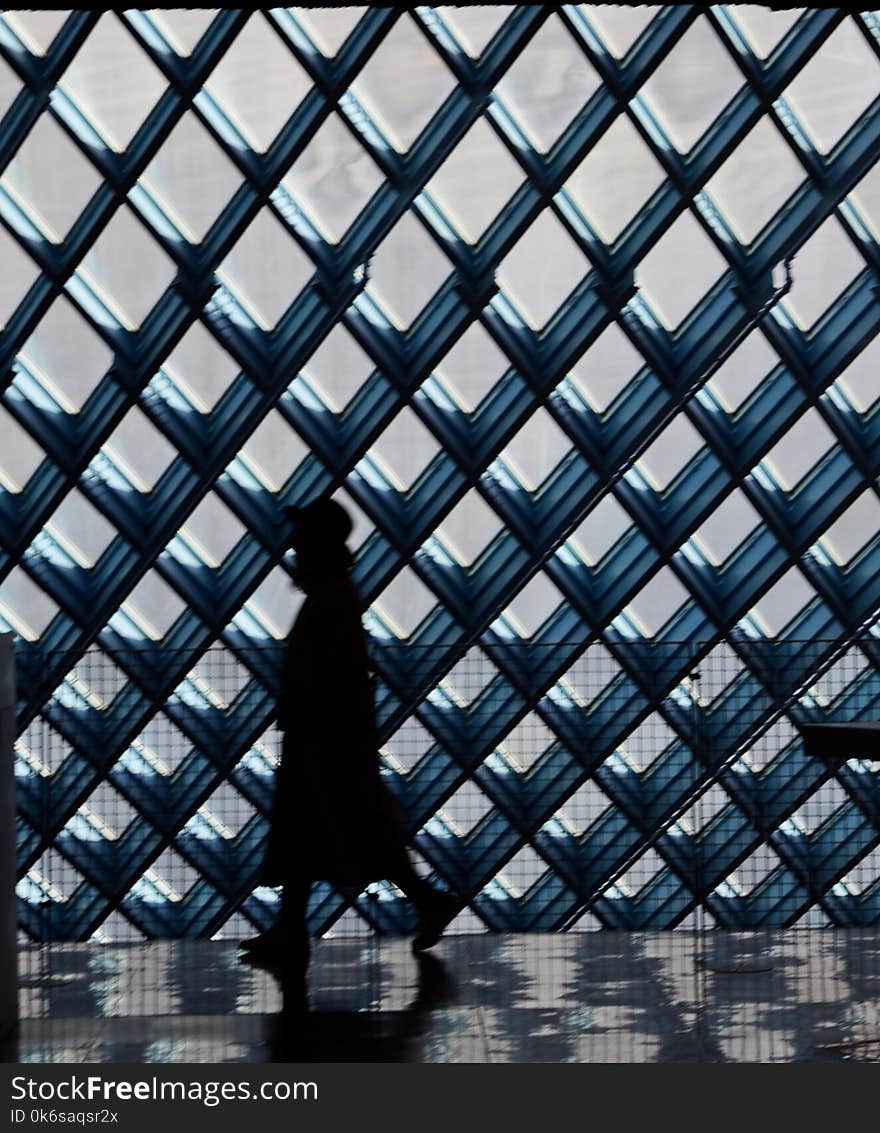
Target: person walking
<point x="333" y="819"/>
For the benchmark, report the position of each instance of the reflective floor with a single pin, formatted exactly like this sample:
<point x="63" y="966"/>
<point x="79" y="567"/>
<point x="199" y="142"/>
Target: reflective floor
<point x="767" y="996"/>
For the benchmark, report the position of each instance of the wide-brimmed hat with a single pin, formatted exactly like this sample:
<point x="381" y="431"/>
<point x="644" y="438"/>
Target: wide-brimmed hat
<point x="322" y="521"/>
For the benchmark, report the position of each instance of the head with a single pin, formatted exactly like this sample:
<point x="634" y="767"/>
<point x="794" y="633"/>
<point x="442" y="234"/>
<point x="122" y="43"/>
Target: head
<point x="318" y="533"/>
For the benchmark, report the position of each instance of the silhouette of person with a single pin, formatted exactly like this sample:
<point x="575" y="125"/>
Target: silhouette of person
<point x="333" y="818"/>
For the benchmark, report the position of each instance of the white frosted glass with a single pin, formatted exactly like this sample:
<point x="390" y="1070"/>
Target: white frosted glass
<point x="155" y="605"/>
<point x="259" y="83"/>
<point x="536" y="449"/>
<point x="729" y="524"/>
<point x="619" y="25"/>
<point x="755" y="181"/>
<point x="606" y="368"/>
<point x="191" y="177"/>
<point x="66" y="350"/>
<point x="542" y="269"/>
<point x="139" y="449"/>
<point x="679" y="270"/>
<point x="200" y="365"/>
<point x="329" y="28"/>
<point x="78" y="522"/>
<point x="764" y="29"/>
<point x="602" y="528"/>
<point x="183" y="27"/>
<point x="614" y="181"/>
<point x="475" y="28"/>
<point x="20" y="455"/>
<point x="656" y="603"/>
<point x="339" y="367"/>
<point x="404" y="449"/>
<point x="692" y="85"/>
<point x="858" y="525"/>
<point x="672" y="451"/>
<point x="33" y="178"/>
<point x="742" y="373"/>
<point x="275" y="450"/>
<point x="836" y="86"/>
<point x="127" y="268"/>
<point x="469" y="528"/>
<point x="472" y="367"/>
<point x="213" y="528"/>
<point x="19" y="272"/>
<point x="548" y="84"/>
<point x="404" y="603"/>
<point x="822" y="269"/>
<point x="799" y="450"/>
<point x="36" y="29"/>
<point x="782" y="602"/>
<point x="333" y="179"/>
<point x="406" y="271"/>
<point x="533" y="605"/>
<point x="266" y="269"/>
<point x="113" y="81"/>
<point x="404" y="84"/>
<point x="475" y="182"/>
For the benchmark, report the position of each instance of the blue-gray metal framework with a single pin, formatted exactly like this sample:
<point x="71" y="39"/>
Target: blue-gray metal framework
<point x="102" y="736"/>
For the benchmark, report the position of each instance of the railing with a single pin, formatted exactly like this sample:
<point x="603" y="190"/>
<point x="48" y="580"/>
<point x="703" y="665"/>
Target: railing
<point x="617" y="784"/>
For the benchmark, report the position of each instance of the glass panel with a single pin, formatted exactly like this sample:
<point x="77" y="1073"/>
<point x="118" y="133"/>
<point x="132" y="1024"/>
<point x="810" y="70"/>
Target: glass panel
<point x="782" y="603"/>
<point x="475" y="182"/>
<point x="530" y="608"/>
<point x="191" y="178"/>
<point x="469" y="528"/>
<point x="548" y="84"/>
<point x="24" y="606"/>
<point x="475" y="28"/>
<point x="406" y="271"/>
<point x="266" y="269"/>
<point x="859" y="380"/>
<point x="607" y="368"/>
<point x="614" y="181"/>
<point x="10" y="86"/>
<point x="274" y="451"/>
<point x="755" y="182"/>
<point x="670" y="453"/>
<point x="200" y="366"/>
<point x="866" y="198"/>
<point x="763" y="28"/>
<point x="67" y="355"/>
<point x="276" y="602"/>
<point x="404" y="603"/>
<point x="18" y="274"/>
<point x="212" y="529"/>
<point x="536" y="449"/>
<point x="183" y="27"/>
<point x="857" y="527"/>
<point x="404" y="84"/>
<point x="743" y="372"/>
<point x="836" y="86"/>
<point x="113" y="82"/>
<point x="77" y="523"/>
<point x="657" y="602"/>
<point x="542" y="269"/>
<point x="20" y="455"/>
<point x="329" y="28"/>
<point x="258" y="83"/>
<point x="732" y="521"/>
<point x="36" y="29"/>
<point x="404" y="449"/>
<point x="619" y="26"/>
<point x="692" y="85"/>
<point x="822" y="269"/>
<point x="139" y="450"/>
<point x="32" y="178"/>
<point x="333" y="179"/>
<point x="339" y="367"/>
<point x="601" y="530"/>
<point x="127" y="269"/>
<point x="154" y="606"/>
<point x="472" y="367"/>
<point x="679" y="270"/>
<point x="799" y="450"/>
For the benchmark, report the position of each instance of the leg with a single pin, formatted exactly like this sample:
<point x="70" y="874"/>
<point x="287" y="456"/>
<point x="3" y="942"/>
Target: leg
<point x="436" y="908"/>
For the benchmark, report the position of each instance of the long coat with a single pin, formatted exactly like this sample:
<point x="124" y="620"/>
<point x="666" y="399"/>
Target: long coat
<point x="333" y="818"/>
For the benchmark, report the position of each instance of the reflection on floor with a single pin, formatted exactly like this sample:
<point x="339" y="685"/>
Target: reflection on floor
<point x="764" y="996"/>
